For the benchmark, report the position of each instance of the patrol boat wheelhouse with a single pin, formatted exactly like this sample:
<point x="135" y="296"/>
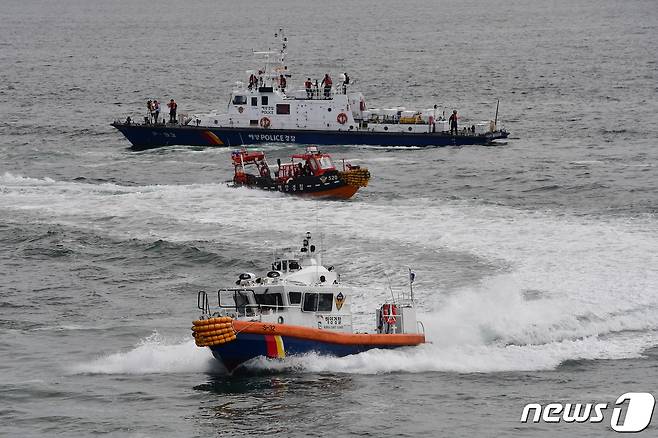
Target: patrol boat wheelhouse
<point x="298" y="307"/>
<point x="266" y="110"/>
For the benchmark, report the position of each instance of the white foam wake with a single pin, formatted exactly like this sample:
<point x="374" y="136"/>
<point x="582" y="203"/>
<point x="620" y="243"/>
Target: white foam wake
<point x="560" y="286"/>
<point x="153" y="355"/>
<point x="465" y="358"/>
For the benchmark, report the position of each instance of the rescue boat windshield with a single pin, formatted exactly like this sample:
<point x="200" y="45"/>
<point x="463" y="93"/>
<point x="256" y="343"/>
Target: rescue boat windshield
<point x="325" y="162"/>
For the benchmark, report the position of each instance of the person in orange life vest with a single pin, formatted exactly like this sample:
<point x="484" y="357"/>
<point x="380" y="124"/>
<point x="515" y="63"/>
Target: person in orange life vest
<point x="308" y="85"/>
<point x="172" y="110"/>
<point x="282" y="83"/>
<point x="327" y="83"/>
<point x="453" y="122"/>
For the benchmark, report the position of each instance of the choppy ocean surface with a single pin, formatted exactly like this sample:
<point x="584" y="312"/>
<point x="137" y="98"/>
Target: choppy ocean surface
<point x="536" y="260"/>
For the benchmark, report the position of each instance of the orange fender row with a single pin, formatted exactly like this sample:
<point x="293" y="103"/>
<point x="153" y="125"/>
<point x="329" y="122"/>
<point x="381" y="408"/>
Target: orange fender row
<point x="212" y="327"/>
<point x="213" y="340"/>
<point x="213" y="331"/>
<point x="355" y="177"/>
<point x="216" y="320"/>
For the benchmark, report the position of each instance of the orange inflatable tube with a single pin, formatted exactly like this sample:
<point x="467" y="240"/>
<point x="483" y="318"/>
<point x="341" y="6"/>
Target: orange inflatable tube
<point x="331" y="337"/>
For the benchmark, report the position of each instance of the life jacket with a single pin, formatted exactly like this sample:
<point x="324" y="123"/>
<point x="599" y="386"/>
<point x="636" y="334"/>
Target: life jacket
<point x="308" y="84"/>
<point x="173" y="105"/>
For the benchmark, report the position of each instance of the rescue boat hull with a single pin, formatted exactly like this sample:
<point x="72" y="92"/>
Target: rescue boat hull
<point x="242" y="341"/>
<point x="250" y="346"/>
<point x="148" y="136"/>
<point x="317" y="189"/>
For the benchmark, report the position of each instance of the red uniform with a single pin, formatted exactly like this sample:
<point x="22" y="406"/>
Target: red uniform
<point x="172" y="110"/>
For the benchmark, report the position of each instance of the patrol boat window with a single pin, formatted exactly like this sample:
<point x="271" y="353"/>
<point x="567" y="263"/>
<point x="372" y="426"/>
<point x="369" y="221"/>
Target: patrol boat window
<point x="295" y="297"/>
<point x="239" y="100"/>
<point x="283" y="108"/>
<point x="285" y="265"/>
<point x="264" y="100"/>
<point x="269" y="301"/>
<point x="254" y="101"/>
<point x="325" y="303"/>
<point x="242" y="303"/>
<point x="318" y="302"/>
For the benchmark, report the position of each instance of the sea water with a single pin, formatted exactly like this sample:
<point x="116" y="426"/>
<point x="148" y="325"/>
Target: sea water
<point x="536" y="260"/>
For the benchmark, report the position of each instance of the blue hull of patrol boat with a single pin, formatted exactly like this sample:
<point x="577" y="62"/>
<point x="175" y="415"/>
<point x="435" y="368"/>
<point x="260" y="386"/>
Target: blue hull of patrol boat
<point x="249" y="346"/>
<point x="152" y="136"/>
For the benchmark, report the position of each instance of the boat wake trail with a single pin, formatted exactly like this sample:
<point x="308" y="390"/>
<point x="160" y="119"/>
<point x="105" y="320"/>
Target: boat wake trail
<point x="153" y="355"/>
<point x="501" y="288"/>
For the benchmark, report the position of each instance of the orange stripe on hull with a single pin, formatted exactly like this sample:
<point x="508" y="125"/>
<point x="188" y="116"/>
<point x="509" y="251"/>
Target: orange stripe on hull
<point x="212" y="138"/>
<point x="331" y="337"/>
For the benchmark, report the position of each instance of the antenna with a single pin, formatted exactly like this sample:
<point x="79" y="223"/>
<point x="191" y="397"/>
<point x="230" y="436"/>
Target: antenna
<point x="412" y="277"/>
<point x="496" y="118"/>
<point x="317" y="228"/>
<point x="390" y="288"/>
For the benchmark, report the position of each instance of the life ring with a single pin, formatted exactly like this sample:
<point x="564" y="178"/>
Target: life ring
<point x="362" y="105"/>
<point x="265" y="122"/>
<point x="390" y="313"/>
<point x="341" y="118"/>
<point x="240" y="109"/>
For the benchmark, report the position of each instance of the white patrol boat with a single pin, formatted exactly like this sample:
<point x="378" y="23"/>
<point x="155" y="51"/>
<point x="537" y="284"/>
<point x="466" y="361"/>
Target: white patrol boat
<point x="298" y="307"/>
<point x="269" y="108"/>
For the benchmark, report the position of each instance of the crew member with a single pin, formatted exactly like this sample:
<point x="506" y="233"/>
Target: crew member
<point x="308" y="85"/>
<point x="253" y="81"/>
<point x="264" y="170"/>
<point x="149" y="108"/>
<point x="327" y="83"/>
<point x="432" y="118"/>
<point x="282" y="82"/>
<point x="156" y="111"/>
<point x="453" y="122"/>
<point x="172" y="110"/>
<point x="346" y="82"/>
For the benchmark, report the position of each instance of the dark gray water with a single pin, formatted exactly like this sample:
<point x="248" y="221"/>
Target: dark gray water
<point x="536" y="260"/>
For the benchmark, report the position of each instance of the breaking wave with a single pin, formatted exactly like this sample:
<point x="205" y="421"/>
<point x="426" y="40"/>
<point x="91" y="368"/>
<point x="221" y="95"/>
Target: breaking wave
<point x="153" y="355"/>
